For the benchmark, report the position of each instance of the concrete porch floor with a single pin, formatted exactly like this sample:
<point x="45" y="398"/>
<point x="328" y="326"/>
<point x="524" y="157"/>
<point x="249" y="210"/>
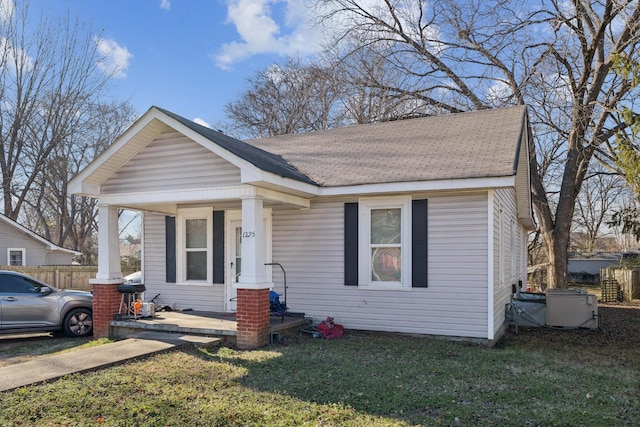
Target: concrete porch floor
<point x="222" y="325"/>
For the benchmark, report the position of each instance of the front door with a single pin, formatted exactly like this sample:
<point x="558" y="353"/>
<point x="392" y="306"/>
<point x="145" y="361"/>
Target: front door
<point x="235" y="268"/>
<point x="234" y="254"/>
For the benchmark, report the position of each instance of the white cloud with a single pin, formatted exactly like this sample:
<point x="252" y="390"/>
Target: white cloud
<point x="7" y="9"/>
<point x="165" y="4"/>
<point x="114" y="58"/>
<point x="260" y="32"/>
<point x="15" y="58"/>
<point x="498" y="93"/>
<point x="201" y="122"/>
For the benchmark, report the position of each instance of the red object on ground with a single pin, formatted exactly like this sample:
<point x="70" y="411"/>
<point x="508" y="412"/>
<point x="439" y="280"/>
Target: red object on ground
<point x="329" y="329"/>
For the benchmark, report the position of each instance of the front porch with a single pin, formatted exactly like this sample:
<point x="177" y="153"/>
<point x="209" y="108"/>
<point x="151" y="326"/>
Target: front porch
<point x="220" y="325"/>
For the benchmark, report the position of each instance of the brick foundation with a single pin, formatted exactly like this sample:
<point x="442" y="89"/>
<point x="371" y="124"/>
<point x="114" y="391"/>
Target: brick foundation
<point x="106" y="303"/>
<point x="253" y="318"/>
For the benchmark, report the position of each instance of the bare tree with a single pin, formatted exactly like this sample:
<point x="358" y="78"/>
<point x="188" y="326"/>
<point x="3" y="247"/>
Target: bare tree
<point x="601" y="193"/>
<point x="369" y="85"/>
<point x="556" y="57"/>
<point x="286" y="99"/>
<point x="49" y="78"/>
<point x="64" y="219"/>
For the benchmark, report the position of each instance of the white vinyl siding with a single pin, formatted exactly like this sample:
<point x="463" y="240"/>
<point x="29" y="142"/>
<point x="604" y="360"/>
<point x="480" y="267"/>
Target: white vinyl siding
<point x="509" y="253"/>
<point x="172" y="162"/>
<point x="35" y="251"/>
<point x="197" y="297"/>
<point x="59" y="258"/>
<point x="309" y="244"/>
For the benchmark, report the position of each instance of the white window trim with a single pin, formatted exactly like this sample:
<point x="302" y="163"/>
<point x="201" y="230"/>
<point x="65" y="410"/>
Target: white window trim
<point x="182" y="217"/>
<point x="365" y="205"/>
<point x="24" y="255"/>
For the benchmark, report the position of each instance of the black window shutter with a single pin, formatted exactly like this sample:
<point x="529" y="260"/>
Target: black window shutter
<point x="419" y="243"/>
<point x="170" y="248"/>
<point x="218" y="247"/>
<point x="351" y="244"/>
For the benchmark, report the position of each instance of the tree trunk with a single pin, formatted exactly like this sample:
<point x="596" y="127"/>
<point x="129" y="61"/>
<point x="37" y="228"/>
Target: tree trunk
<point x="557" y="271"/>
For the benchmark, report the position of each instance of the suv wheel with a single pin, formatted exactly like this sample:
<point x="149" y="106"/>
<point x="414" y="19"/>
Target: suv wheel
<point x="78" y="323"/>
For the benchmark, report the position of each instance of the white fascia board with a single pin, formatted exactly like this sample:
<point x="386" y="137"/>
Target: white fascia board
<point x="257" y="177"/>
<point x="54" y="248"/>
<point x="284" y="198"/>
<point x="204" y="195"/>
<point x="420" y="186"/>
<point x="83" y="188"/>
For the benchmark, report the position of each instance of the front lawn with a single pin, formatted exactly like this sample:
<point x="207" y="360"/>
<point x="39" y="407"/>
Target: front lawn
<point x="537" y="377"/>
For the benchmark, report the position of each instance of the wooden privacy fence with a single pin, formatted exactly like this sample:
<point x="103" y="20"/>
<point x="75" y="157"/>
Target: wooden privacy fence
<point x="628" y="280"/>
<point x="62" y="276"/>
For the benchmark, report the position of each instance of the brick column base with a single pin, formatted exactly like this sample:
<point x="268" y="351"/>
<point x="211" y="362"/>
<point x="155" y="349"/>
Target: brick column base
<point x="106" y="303"/>
<point x="253" y="317"/>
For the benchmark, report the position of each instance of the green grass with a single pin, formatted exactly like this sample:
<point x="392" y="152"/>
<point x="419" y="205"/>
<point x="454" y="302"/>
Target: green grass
<point x="363" y="379"/>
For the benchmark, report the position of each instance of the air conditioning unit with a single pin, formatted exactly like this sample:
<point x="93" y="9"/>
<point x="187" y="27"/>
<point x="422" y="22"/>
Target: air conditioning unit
<point x="569" y="308"/>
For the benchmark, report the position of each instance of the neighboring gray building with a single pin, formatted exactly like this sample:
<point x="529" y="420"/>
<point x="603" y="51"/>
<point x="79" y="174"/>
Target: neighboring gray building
<point x="592" y="262"/>
<point x="20" y="246"/>
<point x="414" y="226"/>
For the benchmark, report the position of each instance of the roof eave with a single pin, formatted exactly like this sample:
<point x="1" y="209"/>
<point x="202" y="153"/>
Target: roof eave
<point x="420" y="186"/>
<point x="49" y="245"/>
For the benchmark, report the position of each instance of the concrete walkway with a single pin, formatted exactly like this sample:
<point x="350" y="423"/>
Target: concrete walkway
<point x="56" y="366"/>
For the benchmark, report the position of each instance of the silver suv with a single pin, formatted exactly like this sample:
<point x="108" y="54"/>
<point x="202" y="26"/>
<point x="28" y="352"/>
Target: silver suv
<point x="27" y="305"/>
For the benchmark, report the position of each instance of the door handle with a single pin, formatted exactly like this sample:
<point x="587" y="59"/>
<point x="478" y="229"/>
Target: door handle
<point x="9" y="299"/>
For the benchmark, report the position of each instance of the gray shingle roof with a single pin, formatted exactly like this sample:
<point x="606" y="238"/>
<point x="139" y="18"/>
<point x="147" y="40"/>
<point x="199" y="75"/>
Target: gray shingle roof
<point x="456" y="146"/>
<point x="479" y="144"/>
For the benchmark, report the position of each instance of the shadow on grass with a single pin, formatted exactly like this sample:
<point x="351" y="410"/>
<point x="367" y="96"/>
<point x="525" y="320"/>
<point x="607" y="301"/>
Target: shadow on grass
<point x="15" y="348"/>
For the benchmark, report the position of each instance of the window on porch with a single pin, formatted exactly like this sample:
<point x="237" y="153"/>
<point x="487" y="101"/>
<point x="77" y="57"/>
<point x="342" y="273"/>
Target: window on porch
<point x="196" y="248"/>
<point x="195" y="245"/>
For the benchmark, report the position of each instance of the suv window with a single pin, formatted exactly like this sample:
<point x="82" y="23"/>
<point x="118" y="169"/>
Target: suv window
<point x="18" y="285"/>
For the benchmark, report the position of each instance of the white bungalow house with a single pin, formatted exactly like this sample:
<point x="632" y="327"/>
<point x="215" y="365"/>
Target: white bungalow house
<point x="20" y="246"/>
<point x="413" y="226"/>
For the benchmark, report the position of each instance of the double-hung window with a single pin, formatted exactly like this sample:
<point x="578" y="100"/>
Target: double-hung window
<point x="196" y="248"/>
<point x="16" y="256"/>
<point x="195" y="227"/>
<point x="385" y="242"/>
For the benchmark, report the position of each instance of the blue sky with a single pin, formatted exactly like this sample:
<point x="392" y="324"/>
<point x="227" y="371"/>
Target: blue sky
<point x="191" y="56"/>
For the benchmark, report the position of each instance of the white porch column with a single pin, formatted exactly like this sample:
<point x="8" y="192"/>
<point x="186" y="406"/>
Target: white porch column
<point x="108" y="244"/>
<point x="254" y="272"/>
<point x="253" y="317"/>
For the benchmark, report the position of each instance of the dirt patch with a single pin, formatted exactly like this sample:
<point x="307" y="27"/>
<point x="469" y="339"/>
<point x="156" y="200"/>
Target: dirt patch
<point x="619" y="329"/>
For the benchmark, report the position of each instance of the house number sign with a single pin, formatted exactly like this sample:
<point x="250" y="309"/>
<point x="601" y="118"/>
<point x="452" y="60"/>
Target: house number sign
<point x="248" y="234"/>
